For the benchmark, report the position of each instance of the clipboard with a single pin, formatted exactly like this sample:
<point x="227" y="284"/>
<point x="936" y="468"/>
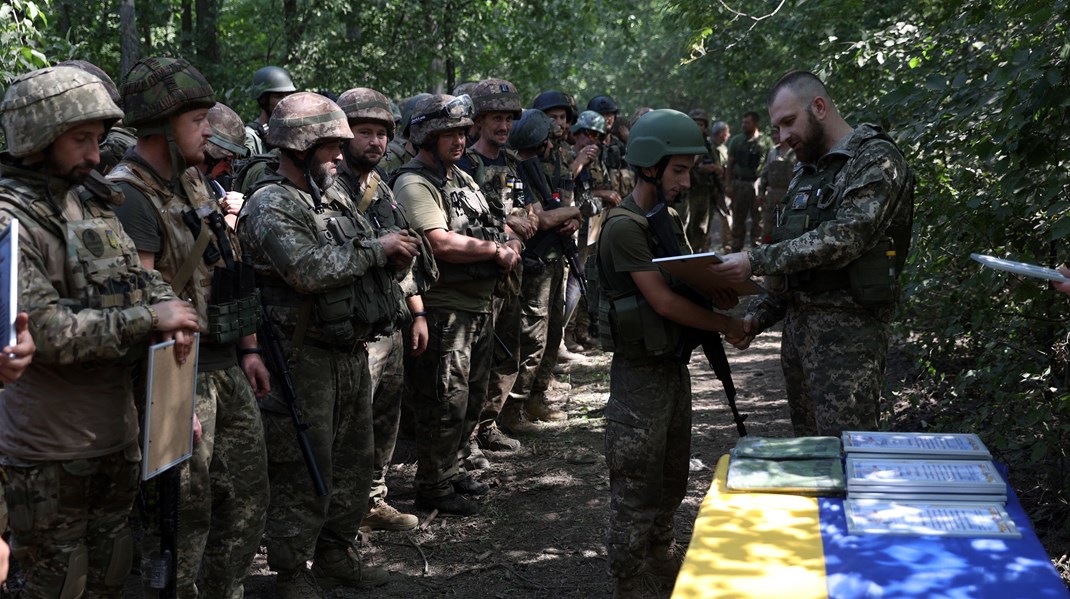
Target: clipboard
<point x="1021" y="268"/>
<point x="170" y="396"/>
<point x="691" y="269"/>
<point x="9" y="282"/>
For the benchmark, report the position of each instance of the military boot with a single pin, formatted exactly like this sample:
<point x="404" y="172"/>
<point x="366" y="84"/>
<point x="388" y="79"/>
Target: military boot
<point x="513" y="420"/>
<point x="453" y="503"/>
<point x="664" y="562"/>
<point x="572" y="344"/>
<point x="475" y="460"/>
<point x="537" y="409"/>
<point x="341" y="567"/>
<point x="298" y="584"/>
<point x="383" y="516"/>
<point x="492" y="438"/>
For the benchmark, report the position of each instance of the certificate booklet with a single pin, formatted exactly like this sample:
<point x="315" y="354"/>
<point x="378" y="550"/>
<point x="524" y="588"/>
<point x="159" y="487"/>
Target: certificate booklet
<point x="793" y="448"/>
<point x="9" y="282"/>
<point x="873" y="516"/>
<point x="691" y="269"/>
<point x="800" y="477"/>
<point x="921" y="445"/>
<point x="957" y="476"/>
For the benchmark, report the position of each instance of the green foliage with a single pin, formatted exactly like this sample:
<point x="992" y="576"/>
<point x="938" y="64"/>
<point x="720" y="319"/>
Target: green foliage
<point x="23" y="47"/>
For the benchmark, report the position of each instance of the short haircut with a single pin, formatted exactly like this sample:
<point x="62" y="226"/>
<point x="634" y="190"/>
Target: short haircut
<point x="718" y="127"/>
<point x="805" y="85"/>
<point x="754" y="116"/>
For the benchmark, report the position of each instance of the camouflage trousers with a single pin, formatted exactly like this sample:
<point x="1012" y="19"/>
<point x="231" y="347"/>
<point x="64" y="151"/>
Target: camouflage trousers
<point x="448" y="383"/>
<point x="506" y="366"/>
<point x="648" y="445"/>
<point x="334" y="400"/>
<point x="385" y="359"/>
<point x="542" y="308"/>
<point x="744" y="204"/>
<point x="698" y="218"/>
<point x="224" y="489"/>
<point x="833" y="364"/>
<point x="70" y="524"/>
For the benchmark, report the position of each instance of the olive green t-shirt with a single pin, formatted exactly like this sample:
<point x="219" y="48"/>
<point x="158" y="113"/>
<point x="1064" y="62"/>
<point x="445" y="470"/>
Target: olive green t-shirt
<point x="426" y="209"/>
<point x="624" y="247"/>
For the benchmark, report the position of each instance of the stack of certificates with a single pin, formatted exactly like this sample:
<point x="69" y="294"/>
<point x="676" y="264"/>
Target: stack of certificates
<point x="799" y="466"/>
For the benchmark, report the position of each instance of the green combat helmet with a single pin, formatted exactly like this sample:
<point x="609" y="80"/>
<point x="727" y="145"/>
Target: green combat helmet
<point x="157" y="89"/>
<point x="531" y="130"/>
<point x="591" y="121"/>
<point x="603" y="105"/>
<point x="228" y="133"/>
<point x="662" y="133"/>
<point x="366" y="104"/>
<point x="41" y="105"/>
<point x="406" y="110"/>
<point x="272" y="79"/>
<point x="551" y="99"/>
<point x="304" y="120"/>
<point x="438" y="113"/>
<point x="496" y="95"/>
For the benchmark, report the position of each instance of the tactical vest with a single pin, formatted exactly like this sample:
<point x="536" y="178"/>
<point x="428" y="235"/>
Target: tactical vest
<point x="200" y="255"/>
<point x="621" y="177"/>
<point x="249" y="173"/>
<point x="500" y="183"/>
<point x="469" y="214"/>
<point x="814" y="197"/>
<point x="779" y="172"/>
<point x="627" y="323"/>
<point x="556" y="164"/>
<point x="102" y="269"/>
<point x="396" y="156"/>
<point x="748" y="157"/>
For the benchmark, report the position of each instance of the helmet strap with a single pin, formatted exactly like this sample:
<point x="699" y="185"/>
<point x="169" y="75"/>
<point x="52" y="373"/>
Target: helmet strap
<point x="313" y="188"/>
<point x="661" y="167"/>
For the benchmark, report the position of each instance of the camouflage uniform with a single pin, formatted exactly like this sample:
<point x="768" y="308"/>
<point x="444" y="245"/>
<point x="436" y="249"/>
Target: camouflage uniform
<point x="748" y="158"/>
<point x="829" y="248"/>
<point x="773" y="184"/>
<point x="224" y="489"/>
<point x="68" y="442"/>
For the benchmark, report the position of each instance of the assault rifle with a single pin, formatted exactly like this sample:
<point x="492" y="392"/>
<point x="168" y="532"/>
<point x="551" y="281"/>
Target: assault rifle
<point x="275" y="360"/>
<point x="531" y="174"/>
<point x="661" y="225"/>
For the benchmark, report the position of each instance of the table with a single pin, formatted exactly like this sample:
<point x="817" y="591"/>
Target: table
<point x="763" y="545"/>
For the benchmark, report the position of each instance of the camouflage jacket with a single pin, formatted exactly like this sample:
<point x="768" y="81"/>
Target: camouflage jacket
<point x="87" y="295"/>
<point x="397" y="154"/>
<point x="872" y="194"/>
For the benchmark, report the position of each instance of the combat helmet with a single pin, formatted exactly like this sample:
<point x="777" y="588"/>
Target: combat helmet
<point x="465" y="88"/>
<point x="406" y="110"/>
<point x="590" y="120"/>
<point x="603" y="104"/>
<point x="496" y="95"/>
<point x="395" y="111"/>
<point x="228" y="133"/>
<point x="93" y="69"/>
<point x="698" y="114"/>
<point x="158" y="88"/>
<point x="304" y="120"/>
<point x="272" y="79"/>
<point x="366" y="104"/>
<point x="41" y="105"/>
<point x="438" y="113"/>
<point x="662" y="133"/>
<point x="551" y="99"/>
<point x="531" y="130"/>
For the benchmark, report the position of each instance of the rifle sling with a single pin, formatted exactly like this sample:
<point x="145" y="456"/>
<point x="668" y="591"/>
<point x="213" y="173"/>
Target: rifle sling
<point x="181" y="278"/>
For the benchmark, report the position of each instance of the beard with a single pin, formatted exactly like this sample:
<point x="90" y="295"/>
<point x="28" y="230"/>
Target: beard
<point x="78" y="173"/>
<point x="812" y="146"/>
<point x="366" y="163"/>
<point x="322" y="176"/>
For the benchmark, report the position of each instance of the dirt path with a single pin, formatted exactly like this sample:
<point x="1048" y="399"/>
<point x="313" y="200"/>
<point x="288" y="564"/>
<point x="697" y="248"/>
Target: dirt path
<point x="540" y="532"/>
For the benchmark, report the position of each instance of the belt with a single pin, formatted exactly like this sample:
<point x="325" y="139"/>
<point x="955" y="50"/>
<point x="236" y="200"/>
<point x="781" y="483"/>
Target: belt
<point x="341" y="348"/>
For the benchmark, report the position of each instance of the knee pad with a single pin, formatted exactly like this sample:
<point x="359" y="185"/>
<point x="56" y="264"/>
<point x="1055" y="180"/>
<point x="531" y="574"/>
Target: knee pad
<point x="120" y="560"/>
<point x="77" y="573"/>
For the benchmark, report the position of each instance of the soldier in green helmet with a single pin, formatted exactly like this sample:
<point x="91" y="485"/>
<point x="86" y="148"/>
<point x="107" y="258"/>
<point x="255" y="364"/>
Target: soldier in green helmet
<point x="224" y="147"/>
<point x="316" y="264"/>
<point x="270" y="85"/>
<point x="68" y="441"/>
<point x="648" y="415"/>
<point x="399" y="150"/>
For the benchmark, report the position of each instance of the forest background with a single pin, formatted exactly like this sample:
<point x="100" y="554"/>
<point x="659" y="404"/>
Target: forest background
<point x="976" y="92"/>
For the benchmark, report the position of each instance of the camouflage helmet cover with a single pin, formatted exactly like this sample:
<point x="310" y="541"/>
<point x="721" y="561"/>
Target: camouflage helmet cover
<point x="496" y="95"/>
<point x="366" y="104"/>
<point x="158" y="88"/>
<point x="93" y="69"/>
<point x="438" y="113"/>
<point x="662" y="133"/>
<point x="41" y="105"/>
<point x="698" y="114"/>
<point x="531" y="130"/>
<point x="304" y="120"/>
<point x="272" y="80"/>
<point x="228" y="133"/>
<point x="465" y="88"/>
<point x="591" y="120"/>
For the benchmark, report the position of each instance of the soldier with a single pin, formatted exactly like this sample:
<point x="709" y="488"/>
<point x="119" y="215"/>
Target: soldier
<point x="360" y="181"/>
<point x="719" y="134"/>
<point x="119" y="138"/>
<point x="179" y="229"/>
<point x="648" y="416"/>
<point x="542" y="292"/>
<point x="700" y="198"/>
<point x="68" y="441"/>
<point x="449" y="381"/>
<point x="399" y="150"/>
<point x="774" y="182"/>
<point x="318" y="266"/>
<point x="494" y="169"/>
<point x="224" y="146"/>
<point x="746" y="156"/>
<point x="841" y="238"/>
<point x="621" y="178"/>
<point x="271" y="85"/>
<point x="13" y="362"/>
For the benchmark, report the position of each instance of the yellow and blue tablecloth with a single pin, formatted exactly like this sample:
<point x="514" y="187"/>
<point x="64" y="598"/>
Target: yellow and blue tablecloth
<point x="763" y="545"/>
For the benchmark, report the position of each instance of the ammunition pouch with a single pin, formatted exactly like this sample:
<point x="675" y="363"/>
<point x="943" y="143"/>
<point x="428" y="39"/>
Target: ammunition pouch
<point x="230" y="321"/>
<point x="873" y="275"/>
<point x="636" y="329"/>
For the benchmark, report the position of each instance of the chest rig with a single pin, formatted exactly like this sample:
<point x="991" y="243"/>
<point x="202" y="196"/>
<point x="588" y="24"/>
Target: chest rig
<point x="500" y="183"/>
<point x="201" y="256"/>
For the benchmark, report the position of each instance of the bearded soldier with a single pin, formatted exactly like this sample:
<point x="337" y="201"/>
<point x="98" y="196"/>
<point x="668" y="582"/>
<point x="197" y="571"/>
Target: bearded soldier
<point x="318" y="266"/>
<point x="68" y="426"/>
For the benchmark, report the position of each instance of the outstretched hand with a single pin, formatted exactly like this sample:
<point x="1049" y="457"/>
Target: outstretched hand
<point x="734" y="268"/>
<point x="742" y="339"/>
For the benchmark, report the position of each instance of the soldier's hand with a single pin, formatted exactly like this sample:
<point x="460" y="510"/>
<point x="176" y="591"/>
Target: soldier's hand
<point x="401" y="248"/>
<point x="198" y="431"/>
<point x="15" y="358"/>
<point x="734" y="268"/>
<point x="257" y="374"/>
<point x="507" y="258"/>
<point x="419" y="336"/>
<point x="569" y="227"/>
<point x="742" y="339"/>
<point x="1063" y="287"/>
<point x="5" y="554"/>
<point x="176" y="314"/>
<point x="232" y="202"/>
<point x="609" y="197"/>
<point x="521" y="225"/>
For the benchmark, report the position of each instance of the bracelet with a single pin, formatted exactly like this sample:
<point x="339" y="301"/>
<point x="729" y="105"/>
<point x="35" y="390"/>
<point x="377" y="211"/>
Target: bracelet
<point x="249" y="351"/>
<point x="416" y="315"/>
<point x="155" y="317"/>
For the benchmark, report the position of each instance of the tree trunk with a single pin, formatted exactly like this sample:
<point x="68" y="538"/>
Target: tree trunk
<point x="185" y="38"/>
<point x="293" y="35"/>
<point x="128" y="38"/>
<point x="207" y="31"/>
